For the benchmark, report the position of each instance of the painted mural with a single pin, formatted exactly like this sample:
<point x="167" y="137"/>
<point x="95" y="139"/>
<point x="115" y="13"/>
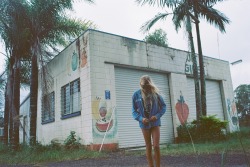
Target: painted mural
<point x="182" y="110"/>
<point x="78" y="58"/>
<point x="74" y="61"/>
<point x="232" y="114"/>
<point x="103" y="119"/>
<point x="83" y="54"/>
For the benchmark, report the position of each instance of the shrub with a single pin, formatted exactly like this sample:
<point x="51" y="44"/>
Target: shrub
<point x="71" y="142"/>
<point x="184" y="132"/>
<point x="208" y="128"/>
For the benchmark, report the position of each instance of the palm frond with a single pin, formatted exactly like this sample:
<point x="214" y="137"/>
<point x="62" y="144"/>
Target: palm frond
<point x="180" y="12"/>
<point x="160" y="16"/>
<point x="160" y="3"/>
<point x="210" y="2"/>
<point x="214" y="17"/>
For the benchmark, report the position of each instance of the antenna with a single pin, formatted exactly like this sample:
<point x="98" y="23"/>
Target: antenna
<point x="218" y="43"/>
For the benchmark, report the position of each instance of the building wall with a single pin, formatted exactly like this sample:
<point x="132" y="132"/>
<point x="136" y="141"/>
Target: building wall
<point x="98" y="54"/>
<point x="108" y="51"/>
<point x="62" y="70"/>
<point x="24" y="129"/>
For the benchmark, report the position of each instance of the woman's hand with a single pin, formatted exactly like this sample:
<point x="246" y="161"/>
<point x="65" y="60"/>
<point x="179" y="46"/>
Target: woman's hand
<point x="153" y="118"/>
<point x="145" y="121"/>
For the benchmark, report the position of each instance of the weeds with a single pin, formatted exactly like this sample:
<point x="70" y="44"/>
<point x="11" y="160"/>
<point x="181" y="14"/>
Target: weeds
<point x="56" y="152"/>
<point x="71" y="150"/>
<point x="32" y="155"/>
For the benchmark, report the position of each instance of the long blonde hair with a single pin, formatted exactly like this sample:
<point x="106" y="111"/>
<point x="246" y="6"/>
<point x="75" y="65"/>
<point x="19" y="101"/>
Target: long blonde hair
<point x="146" y="80"/>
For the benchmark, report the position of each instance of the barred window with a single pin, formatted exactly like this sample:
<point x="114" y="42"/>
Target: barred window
<point x="70" y="99"/>
<point x="48" y="108"/>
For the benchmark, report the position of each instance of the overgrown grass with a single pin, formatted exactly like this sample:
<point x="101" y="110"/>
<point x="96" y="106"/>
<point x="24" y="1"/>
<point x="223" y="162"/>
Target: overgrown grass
<point x="231" y="145"/>
<point x="43" y="154"/>
<point x="237" y="142"/>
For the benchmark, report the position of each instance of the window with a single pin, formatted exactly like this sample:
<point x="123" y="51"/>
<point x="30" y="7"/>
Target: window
<point x="48" y="108"/>
<point x="70" y="96"/>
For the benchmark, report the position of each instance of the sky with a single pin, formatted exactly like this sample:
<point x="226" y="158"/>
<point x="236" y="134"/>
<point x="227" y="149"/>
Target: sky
<point x="125" y="17"/>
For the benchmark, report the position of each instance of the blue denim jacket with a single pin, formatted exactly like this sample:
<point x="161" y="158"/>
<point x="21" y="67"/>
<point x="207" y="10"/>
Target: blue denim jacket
<point x="138" y="110"/>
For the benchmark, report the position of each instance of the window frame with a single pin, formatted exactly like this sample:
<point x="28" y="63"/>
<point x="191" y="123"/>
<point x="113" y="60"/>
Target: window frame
<point x="50" y="111"/>
<point x="68" y="102"/>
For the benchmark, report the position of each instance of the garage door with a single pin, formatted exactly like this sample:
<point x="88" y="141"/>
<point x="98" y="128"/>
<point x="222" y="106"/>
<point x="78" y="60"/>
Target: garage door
<point x="214" y="102"/>
<point x="129" y="133"/>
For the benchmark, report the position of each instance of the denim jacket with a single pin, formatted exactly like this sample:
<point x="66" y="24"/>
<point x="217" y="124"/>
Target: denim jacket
<point x="138" y="110"/>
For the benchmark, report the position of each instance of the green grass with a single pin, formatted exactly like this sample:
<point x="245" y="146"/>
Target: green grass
<point x="44" y="154"/>
<point x="27" y="155"/>
<point x="232" y="145"/>
<point x="236" y="143"/>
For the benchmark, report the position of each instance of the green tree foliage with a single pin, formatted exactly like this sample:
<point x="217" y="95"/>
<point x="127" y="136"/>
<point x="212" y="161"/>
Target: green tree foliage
<point x="158" y="37"/>
<point x="29" y="28"/>
<point x="242" y="100"/>
<point x="47" y="32"/>
<point x="242" y="97"/>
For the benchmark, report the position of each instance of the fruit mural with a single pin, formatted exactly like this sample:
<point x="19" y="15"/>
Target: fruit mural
<point x="83" y="55"/>
<point x="182" y="110"/>
<point x="103" y="120"/>
<point x="232" y="113"/>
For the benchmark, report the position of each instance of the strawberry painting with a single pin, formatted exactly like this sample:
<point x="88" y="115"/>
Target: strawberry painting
<point x="182" y="110"/>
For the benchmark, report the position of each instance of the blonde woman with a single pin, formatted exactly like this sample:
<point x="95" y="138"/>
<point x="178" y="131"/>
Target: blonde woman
<point x="148" y="107"/>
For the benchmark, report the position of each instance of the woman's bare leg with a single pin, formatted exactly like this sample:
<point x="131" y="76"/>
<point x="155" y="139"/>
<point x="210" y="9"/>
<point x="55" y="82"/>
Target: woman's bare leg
<point x="156" y="143"/>
<point x="147" y="138"/>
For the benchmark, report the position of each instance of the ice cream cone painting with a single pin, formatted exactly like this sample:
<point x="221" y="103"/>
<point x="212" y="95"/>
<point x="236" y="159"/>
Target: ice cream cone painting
<point x="102" y="116"/>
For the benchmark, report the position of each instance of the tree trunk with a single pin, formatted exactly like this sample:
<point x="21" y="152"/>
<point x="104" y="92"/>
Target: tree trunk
<point x="201" y="62"/>
<point x="6" y="115"/>
<point x="16" y="102"/>
<point x="8" y="100"/>
<point x="33" y="99"/>
<point x="195" y="70"/>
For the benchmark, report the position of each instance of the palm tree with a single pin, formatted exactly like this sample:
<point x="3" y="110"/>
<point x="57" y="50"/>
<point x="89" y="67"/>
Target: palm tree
<point x="196" y="9"/>
<point x="47" y="32"/>
<point x="179" y="16"/>
<point x="13" y="34"/>
<point x="205" y="9"/>
<point x="26" y="31"/>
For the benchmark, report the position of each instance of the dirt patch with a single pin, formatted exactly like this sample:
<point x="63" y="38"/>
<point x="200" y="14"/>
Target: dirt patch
<point x="120" y="159"/>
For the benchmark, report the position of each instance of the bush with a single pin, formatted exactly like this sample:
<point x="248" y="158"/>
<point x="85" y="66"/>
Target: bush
<point x="208" y="128"/>
<point x="184" y="132"/>
<point x="71" y="142"/>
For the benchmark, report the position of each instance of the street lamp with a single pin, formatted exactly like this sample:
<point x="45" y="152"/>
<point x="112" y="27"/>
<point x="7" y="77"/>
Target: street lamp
<point x="236" y="62"/>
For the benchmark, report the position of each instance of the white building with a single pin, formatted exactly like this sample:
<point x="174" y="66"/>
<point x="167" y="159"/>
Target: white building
<point x="93" y="80"/>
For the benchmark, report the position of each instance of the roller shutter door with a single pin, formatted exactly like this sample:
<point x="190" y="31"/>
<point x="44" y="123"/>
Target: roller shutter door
<point x="129" y="132"/>
<point x="214" y="102"/>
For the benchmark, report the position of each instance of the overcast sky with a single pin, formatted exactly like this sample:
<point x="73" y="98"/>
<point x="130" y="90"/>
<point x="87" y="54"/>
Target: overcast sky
<point x="125" y="17"/>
